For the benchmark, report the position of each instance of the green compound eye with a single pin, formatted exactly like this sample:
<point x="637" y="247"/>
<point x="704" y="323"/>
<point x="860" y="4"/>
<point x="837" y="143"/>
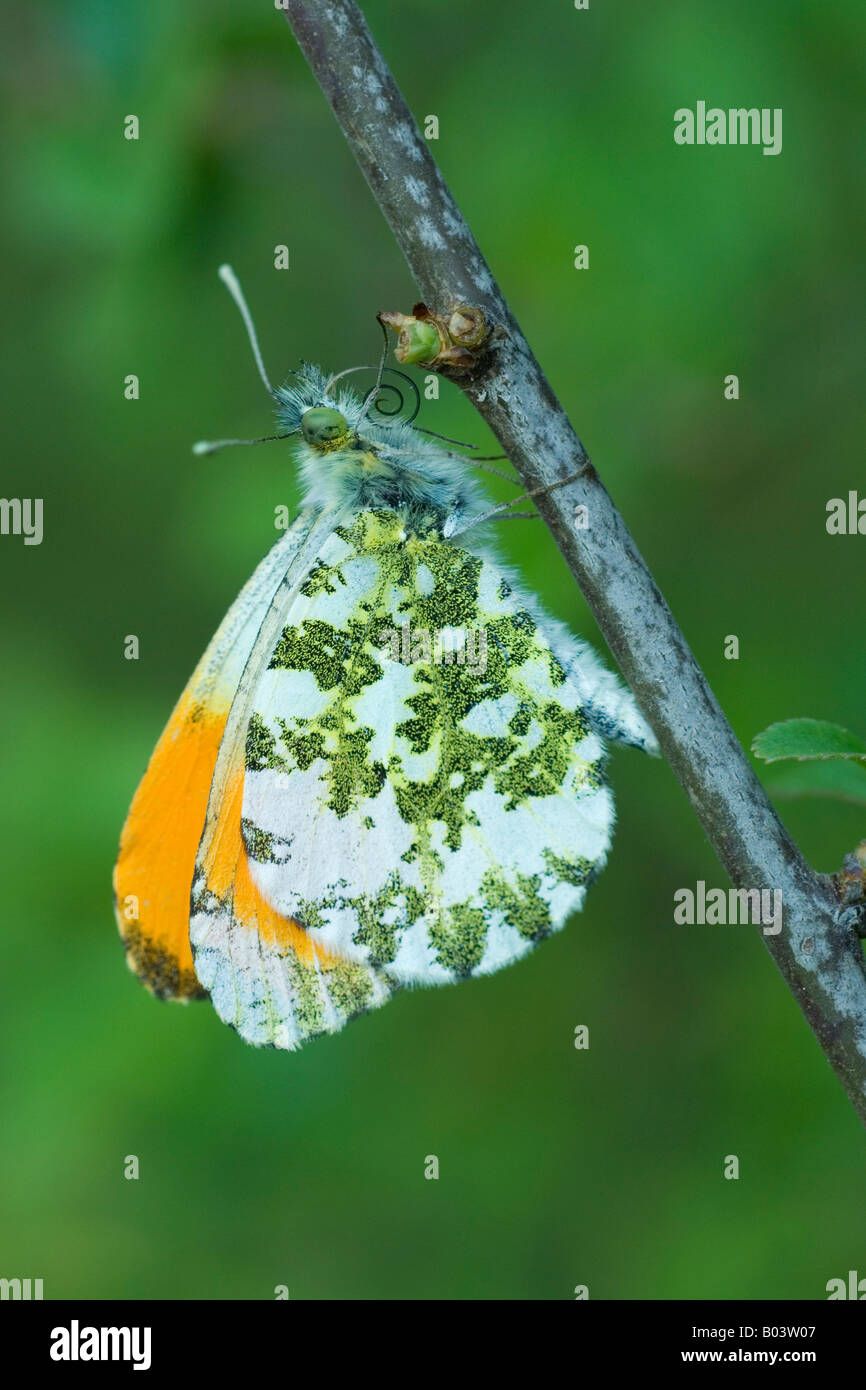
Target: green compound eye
<point x="322" y="425"/>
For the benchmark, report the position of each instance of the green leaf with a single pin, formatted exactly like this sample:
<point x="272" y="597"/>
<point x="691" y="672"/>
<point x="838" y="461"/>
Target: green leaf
<point x="808" y="738"/>
<point x="838" y="778"/>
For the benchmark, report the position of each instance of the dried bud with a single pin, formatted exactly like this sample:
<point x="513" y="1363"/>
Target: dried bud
<point x="455" y="340"/>
<point x="851" y="878"/>
<point x="467" y="326"/>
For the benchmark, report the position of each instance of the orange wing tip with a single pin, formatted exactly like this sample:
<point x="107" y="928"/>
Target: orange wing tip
<point x="154" y="870"/>
<point x="158" y="969"/>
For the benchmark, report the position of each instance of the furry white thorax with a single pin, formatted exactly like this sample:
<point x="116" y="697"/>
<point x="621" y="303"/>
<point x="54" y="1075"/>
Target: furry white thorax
<point x="394" y="467"/>
<point x="386" y="465"/>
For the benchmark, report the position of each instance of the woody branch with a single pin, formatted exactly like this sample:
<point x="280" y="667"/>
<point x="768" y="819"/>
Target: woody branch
<point x="817" y="951"/>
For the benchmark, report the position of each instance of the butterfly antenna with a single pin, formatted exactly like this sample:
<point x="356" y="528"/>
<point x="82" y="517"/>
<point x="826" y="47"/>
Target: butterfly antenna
<point x="233" y="285"/>
<point x="213" y="446"/>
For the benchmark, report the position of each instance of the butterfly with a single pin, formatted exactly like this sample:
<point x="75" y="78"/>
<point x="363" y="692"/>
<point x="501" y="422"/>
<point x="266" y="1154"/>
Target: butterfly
<point x="388" y="767"/>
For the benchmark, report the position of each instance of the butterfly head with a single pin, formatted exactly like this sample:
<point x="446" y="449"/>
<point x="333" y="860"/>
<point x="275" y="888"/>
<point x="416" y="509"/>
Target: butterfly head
<point x="376" y="457"/>
<point x="325" y="428"/>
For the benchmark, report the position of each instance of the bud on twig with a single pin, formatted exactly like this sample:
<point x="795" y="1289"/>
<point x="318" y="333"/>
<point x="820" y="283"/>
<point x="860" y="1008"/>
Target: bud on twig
<point x="456" y="340"/>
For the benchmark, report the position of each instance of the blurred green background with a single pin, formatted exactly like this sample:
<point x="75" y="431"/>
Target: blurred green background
<point x="557" y="1167"/>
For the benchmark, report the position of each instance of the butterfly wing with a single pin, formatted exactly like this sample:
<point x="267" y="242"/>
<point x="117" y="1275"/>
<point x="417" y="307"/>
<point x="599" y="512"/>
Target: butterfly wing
<point x="424" y="819"/>
<point x="268" y="976"/>
<point x="158" y="844"/>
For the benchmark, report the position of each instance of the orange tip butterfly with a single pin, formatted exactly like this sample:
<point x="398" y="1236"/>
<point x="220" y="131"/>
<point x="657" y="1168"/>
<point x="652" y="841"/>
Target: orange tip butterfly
<point x="387" y="769"/>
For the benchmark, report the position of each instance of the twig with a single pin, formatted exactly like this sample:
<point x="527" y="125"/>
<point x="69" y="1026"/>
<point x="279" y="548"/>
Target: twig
<point x="817" y="950"/>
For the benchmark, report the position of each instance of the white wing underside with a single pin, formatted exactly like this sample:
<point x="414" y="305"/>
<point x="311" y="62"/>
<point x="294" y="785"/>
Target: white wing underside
<point x="418" y="820"/>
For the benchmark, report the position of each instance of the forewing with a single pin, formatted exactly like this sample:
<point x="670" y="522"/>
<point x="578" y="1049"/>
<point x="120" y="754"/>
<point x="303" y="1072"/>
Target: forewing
<point x="268" y="974"/>
<point x="154" y="870"/>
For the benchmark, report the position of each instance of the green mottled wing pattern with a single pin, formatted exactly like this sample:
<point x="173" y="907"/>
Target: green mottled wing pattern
<point x="423" y="791"/>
